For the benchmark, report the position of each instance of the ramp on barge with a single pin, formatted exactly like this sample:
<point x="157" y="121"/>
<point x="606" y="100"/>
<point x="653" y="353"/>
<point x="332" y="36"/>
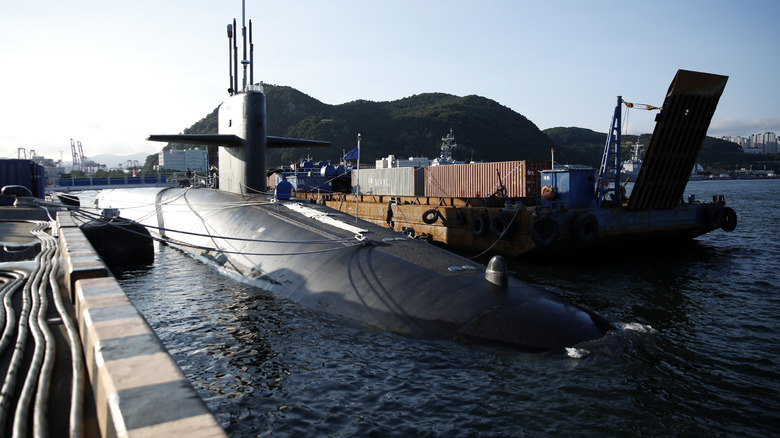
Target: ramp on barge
<point x="677" y="139"/>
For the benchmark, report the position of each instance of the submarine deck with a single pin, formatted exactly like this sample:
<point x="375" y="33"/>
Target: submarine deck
<point x="411" y="249"/>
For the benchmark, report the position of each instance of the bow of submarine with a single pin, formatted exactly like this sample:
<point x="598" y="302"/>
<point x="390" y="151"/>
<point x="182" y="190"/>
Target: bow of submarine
<point x="519" y="315"/>
<point x="534" y="320"/>
<point x="463" y="305"/>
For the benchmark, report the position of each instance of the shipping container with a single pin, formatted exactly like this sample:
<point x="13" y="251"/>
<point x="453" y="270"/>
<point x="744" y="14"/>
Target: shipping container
<point x="25" y="173"/>
<point x="479" y="180"/>
<point x="397" y="181"/>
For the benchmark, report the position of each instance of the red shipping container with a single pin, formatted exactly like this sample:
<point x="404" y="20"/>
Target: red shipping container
<point x="521" y="178"/>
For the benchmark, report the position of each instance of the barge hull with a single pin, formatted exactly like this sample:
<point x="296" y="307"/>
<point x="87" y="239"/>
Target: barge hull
<point x="455" y="217"/>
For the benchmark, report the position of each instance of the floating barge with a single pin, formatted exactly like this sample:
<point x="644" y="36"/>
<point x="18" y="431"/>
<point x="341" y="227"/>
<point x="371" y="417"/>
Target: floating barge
<point x="570" y="209"/>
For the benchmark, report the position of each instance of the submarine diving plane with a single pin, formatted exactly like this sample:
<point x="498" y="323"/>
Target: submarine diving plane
<point x="334" y="263"/>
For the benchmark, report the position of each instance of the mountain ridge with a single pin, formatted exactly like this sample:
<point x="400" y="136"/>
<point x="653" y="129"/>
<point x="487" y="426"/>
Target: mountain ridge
<point x="484" y="130"/>
<point x="411" y="126"/>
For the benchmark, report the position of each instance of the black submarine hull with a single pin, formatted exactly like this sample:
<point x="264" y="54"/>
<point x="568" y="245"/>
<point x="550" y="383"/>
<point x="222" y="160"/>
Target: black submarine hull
<point x="327" y="261"/>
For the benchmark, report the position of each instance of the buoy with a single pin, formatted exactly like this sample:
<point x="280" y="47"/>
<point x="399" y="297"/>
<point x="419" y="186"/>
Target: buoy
<point x="549" y="192"/>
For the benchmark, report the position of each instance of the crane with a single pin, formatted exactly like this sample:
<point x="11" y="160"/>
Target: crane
<point x="76" y="160"/>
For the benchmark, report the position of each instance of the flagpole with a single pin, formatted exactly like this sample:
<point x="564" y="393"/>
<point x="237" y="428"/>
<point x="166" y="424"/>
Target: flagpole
<point x="357" y="178"/>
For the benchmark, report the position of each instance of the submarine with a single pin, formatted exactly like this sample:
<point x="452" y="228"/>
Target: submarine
<point x="334" y="263"/>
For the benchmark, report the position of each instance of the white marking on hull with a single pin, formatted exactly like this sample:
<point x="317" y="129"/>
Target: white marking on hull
<point x="323" y="217"/>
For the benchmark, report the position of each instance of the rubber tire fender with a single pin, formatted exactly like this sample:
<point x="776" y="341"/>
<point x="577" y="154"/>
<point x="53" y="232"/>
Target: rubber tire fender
<point x="499" y="224"/>
<point x="460" y="217"/>
<point x="585" y="227"/>
<point x="479" y="225"/>
<point x="729" y="222"/>
<point x="712" y="216"/>
<point x="430" y="216"/>
<point x="545" y="232"/>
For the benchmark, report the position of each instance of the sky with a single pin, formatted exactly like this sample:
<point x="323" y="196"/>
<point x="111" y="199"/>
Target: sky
<point x="109" y="73"/>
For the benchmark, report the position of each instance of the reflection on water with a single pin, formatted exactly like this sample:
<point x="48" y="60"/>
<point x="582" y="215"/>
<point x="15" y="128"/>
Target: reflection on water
<point x="696" y="356"/>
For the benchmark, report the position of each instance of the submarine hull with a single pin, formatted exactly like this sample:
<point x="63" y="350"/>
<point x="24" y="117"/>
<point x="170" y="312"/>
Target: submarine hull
<point x="330" y="262"/>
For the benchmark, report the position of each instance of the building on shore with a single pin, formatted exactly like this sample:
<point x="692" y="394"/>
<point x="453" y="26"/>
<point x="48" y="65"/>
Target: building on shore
<point x="195" y="160"/>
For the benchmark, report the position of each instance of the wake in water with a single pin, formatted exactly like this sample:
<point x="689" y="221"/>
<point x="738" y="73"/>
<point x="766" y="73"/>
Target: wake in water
<point x="629" y="339"/>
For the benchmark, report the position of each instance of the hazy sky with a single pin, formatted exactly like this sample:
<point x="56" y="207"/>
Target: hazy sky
<point x="109" y="73"/>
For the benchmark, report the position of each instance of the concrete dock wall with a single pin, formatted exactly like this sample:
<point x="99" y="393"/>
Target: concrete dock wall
<point x="139" y="389"/>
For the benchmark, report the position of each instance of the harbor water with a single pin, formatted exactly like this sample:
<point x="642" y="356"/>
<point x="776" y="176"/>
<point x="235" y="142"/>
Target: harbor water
<point x="697" y="352"/>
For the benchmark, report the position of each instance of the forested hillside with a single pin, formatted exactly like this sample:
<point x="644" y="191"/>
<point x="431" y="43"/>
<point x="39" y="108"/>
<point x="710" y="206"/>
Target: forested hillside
<point x="583" y="146"/>
<point x="413" y="126"/>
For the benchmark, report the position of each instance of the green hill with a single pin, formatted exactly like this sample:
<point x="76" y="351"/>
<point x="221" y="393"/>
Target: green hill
<point x="413" y="126"/>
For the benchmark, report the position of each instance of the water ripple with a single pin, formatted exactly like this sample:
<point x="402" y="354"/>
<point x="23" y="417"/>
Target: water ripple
<point x="696" y="354"/>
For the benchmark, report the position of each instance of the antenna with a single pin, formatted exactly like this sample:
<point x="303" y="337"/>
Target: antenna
<point x="231" y="89"/>
<point x="244" y="61"/>
<point x="232" y="32"/>
<point x="235" y="56"/>
<point x="251" y="57"/>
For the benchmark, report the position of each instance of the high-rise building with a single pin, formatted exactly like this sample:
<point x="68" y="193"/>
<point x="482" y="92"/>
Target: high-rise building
<point x="765" y="143"/>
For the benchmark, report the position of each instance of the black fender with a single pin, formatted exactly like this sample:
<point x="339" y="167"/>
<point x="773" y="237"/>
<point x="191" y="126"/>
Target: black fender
<point x="585" y="227"/>
<point x="479" y="225"/>
<point x="500" y="226"/>
<point x="461" y="218"/>
<point x="712" y="216"/>
<point x="120" y="242"/>
<point x="430" y="216"/>
<point x="545" y="232"/>
<point x="729" y="222"/>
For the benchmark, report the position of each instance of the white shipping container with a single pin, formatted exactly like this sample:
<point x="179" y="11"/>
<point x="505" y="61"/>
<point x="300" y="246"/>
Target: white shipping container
<point x="398" y="181"/>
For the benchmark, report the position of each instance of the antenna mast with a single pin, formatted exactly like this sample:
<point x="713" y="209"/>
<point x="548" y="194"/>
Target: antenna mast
<point x="232" y="33"/>
<point x="232" y="87"/>
<point x="251" y="57"/>
<point x="244" y="61"/>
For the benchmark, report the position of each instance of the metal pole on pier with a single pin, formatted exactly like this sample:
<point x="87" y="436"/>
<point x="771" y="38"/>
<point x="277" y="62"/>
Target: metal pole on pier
<point x="357" y="178"/>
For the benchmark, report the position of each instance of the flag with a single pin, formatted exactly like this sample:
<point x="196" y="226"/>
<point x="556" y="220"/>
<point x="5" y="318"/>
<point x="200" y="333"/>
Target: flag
<point x="352" y="155"/>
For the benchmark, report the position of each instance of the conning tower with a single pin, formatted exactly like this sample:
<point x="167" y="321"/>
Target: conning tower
<point x="242" y="137"/>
